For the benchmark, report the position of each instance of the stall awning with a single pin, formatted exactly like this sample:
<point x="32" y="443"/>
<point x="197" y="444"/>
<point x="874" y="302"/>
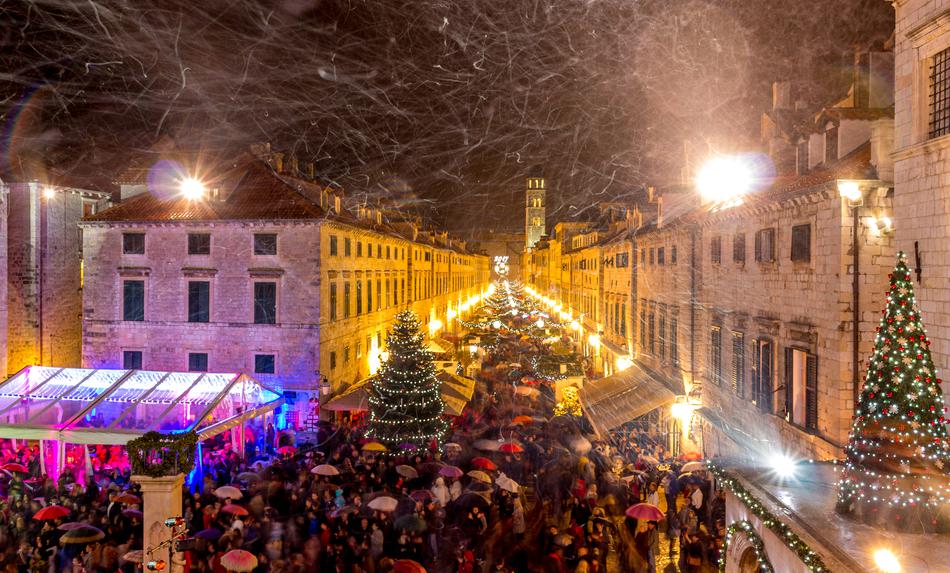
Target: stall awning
<point x="437" y="346"/>
<point x="624" y="396"/>
<point x="456" y="393"/>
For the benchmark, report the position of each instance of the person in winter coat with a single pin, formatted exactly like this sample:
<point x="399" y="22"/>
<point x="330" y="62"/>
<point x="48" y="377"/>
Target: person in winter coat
<point x="440" y="493"/>
<point x="455" y="490"/>
<point x="517" y="519"/>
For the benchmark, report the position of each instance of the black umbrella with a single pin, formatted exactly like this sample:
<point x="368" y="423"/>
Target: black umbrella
<point x="209" y="534"/>
<point x="471" y="499"/>
<point x="84" y="534"/>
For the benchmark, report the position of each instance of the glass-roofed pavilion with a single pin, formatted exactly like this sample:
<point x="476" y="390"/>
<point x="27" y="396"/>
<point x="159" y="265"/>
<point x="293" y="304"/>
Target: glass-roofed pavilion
<point x="87" y="406"/>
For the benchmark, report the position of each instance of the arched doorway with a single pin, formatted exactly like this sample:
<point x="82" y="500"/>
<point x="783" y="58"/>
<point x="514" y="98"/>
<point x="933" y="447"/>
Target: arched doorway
<point x="749" y="562"/>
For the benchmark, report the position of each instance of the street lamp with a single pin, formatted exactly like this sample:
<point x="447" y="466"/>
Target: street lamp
<point x="724" y="179"/>
<point x="324" y="387"/>
<point x="886" y="561"/>
<point x="192" y="188"/>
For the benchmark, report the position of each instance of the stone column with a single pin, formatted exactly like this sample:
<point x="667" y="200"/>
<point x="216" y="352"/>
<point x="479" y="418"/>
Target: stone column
<point x="161" y="499"/>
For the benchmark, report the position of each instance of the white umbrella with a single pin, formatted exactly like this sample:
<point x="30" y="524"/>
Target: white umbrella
<point x="228" y="492"/>
<point x="580" y="445"/>
<point x="507" y="484"/>
<point x="325" y="470"/>
<point x="383" y="503"/>
<point x="650" y="460"/>
<point x="487" y="445"/>
<point x="407" y="471"/>
<point x="693" y="467"/>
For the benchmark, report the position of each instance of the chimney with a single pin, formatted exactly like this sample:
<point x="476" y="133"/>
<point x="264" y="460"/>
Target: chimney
<point x="860" y="77"/>
<point x="781" y="95"/>
<point x="882" y="144"/>
<point x="278" y="161"/>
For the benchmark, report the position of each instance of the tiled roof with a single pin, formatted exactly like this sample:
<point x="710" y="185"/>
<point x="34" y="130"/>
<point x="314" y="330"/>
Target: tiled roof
<point x="250" y="190"/>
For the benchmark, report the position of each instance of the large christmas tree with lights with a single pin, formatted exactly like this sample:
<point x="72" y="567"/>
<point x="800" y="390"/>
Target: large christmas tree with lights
<point x="405" y="402"/>
<point x="898" y="455"/>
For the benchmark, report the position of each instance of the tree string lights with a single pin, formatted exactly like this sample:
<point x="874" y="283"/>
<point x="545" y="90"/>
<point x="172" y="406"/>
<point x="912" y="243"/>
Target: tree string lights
<point x="898" y="455"/>
<point x="570" y="404"/>
<point x="405" y="401"/>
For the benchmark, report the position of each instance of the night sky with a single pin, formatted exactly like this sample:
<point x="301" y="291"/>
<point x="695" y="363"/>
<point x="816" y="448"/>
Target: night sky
<point x="455" y="102"/>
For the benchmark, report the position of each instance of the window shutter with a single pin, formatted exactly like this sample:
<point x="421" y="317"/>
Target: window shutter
<point x="789" y="383"/>
<point x="758" y="246"/>
<point x="737" y="363"/>
<point x="811" y="392"/>
<point x="756" y="381"/>
<point x="766" y="376"/>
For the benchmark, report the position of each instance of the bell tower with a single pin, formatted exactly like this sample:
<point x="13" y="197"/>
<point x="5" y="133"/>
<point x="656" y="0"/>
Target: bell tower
<point x="534" y="211"/>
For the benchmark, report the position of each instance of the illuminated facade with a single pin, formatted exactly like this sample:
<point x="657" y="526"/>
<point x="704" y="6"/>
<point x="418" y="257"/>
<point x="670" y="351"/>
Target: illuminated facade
<point x="534" y="211"/>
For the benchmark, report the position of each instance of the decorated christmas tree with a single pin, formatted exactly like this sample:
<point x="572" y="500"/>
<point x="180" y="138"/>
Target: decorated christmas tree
<point x="570" y="404"/>
<point x="898" y="455"/>
<point x="405" y="402"/>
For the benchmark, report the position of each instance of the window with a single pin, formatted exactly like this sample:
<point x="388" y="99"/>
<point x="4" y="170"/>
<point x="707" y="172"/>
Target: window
<point x="132" y="359"/>
<point x="332" y="360"/>
<point x="197" y="362"/>
<point x="715" y="250"/>
<point x="652" y="255"/>
<point x="643" y="256"/>
<point x="379" y="294"/>
<point x="674" y="343"/>
<point x="801" y="157"/>
<point x="265" y="303"/>
<point x="265" y="364"/>
<point x="765" y="245"/>
<point x="333" y="246"/>
<point x="346" y="355"/>
<point x="661" y="256"/>
<point x="715" y="355"/>
<point x="333" y="300"/>
<point x="643" y="329"/>
<point x="673" y="255"/>
<point x="831" y="144"/>
<point x="652" y="333"/>
<point x="801" y="243"/>
<point x="347" y="247"/>
<point x="359" y="349"/>
<point x="762" y="374"/>
<point x="199" y="243"/>
<point x="379" y="251"/>
<point x="346" y="299"/>
<point x="133" y="243"/>
<point x="387" y="252"/>
<point x="662" y="341"/>
<point x="801" y="388"/>
<point x="738" y="363"/>
<point x="265" y="244"/>
<point x="133" y="300"/>
<point x="623" y="320"/>
<point x="199" y="301"/>
<point x="622" y="260"/>
<point x="359" y="298"/>
<point x="939" y="100"/>
<point x="359" y="248"/>
<point x="388" y="300"/>
<point x="738" y="248"/>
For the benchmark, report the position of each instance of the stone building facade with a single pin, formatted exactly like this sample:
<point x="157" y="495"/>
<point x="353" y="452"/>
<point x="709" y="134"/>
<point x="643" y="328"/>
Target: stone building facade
<point x="268" y="274"/>
<point x="43" y="257"/>
<point x="922" y="160"/>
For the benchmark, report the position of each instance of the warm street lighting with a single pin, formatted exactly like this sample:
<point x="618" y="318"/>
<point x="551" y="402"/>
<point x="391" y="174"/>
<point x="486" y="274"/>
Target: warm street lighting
<point x="724" y="179"/>
<point x="49" y="192"/>
<point x="682" y="410"/>
<point x="886" y="561"/>
<point x="783" y="465"/>
<point x="624" y="362"/>
<point x="191" y="188"/>
<point x="850" y="190"/>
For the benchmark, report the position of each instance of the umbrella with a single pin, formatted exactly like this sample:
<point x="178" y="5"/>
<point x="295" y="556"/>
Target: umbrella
<point x="345" y="510"/>
<point x="51" y="512"/>
<point x="484" y="464"/>
<point x="431" y="467"/>
<point x="645" y="511"/>
<point x="421" y="495"/>
<point x="563" y="540"/>
<point x="408" y="446"/>
<point x="470" y="498"/>
<point x="527" y="391"/>
<point x="239" y="560"/>
<point x="134" y="556"/>
<point x="411" y="522"/>
<point x="487" y="445"/>
<point x="507" y="484"/>
<point x="452" y="446"/>
<point x="692" y="456"/>
<point x="407" y="471"/>
<point x="480" y="476"/>
<point x="375" y="447"/>
<point x="209" y="534"/>
<point x="383" y="503"/>
<point x="451" y="471"/>
<point x="407" y="566"/>
<point x="650" y="460"/>
<point x="632" y="476"/>
<point x="693" y="467"/>
<point x="132" y="513"/>
<point x="15" y="467"/>
<point x="510" y="448"/>
<point x="580" y="445"/>
<point x="129" y="499"/>
<point x="71" y="526"/>
<point x="522" y="420"/>
<point x="325" y="470"/>
<point x="286" y="450"/>
<point x="84" y="534"/>
<point x="228" y="492"/>
<point x="248" y="476"/>
<point x="234" y="509"/>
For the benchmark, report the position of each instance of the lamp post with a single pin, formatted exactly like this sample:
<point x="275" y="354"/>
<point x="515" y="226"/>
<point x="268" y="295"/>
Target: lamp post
<point x="851" y="191"/>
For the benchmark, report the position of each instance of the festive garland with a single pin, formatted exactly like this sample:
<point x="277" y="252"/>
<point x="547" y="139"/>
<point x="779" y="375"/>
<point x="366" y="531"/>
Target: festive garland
<point x="791" y="540"/>
<point x="161" y="455"/>
<point x="744" y="526"/>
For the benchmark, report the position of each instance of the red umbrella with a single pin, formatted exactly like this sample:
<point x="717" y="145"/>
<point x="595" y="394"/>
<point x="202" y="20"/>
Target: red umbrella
<point x="15" y="467"/>
<point x="452" y="471"/>
<point x="286" y="450"/>
<point x="51" y="512"/>
<point x="692" y="456"/>
<point x="646" y="511"/>
<point x="484" y="464"/>
<point x="128" y="499"/>
<point x="407" y="566"/>
<point x="239" y="560"/>
<point x="234" y="509"/>
<point x="510" y="448"/>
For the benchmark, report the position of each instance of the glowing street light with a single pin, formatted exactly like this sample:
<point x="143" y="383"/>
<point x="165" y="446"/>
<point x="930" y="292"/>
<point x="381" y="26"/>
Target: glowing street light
<point x="886" y="561"/>
<point x="783" y="465"/>
<point x="850" y="190"/>
<point x="191" y="188"/>
<point x="49" y="192"/>
<point x="724" y="179"/>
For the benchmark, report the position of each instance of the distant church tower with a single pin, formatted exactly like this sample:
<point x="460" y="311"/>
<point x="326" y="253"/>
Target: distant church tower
<point x="534" y="211"/>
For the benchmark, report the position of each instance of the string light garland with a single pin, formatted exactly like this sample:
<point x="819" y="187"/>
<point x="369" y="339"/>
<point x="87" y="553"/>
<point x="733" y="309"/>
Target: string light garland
<point x="745" y="527"/>
<point x="898" y="453"/>
<point x="405" y="399"/>
<point x="783" y="532"/>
